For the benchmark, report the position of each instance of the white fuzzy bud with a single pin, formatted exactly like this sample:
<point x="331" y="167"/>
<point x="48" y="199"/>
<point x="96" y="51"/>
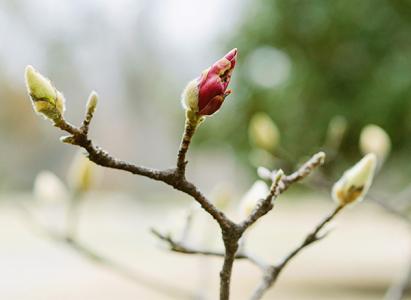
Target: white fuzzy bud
<point x="355" y="182"/>
<point x="189" y="97"/>
<point x="92" y="102"/>
<point x="45" y="98"/>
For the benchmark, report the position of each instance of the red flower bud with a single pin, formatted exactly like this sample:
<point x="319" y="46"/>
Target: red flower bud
<point x="213" y="83"/>
<point x="204" y="95"/>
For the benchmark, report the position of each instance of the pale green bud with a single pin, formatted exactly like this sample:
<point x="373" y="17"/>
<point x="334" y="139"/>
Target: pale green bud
<point x="92" y="102"/>
<point x="263" y="132"/>
<point x="374" y="139"/>
<point x="355" y="182"/>
<point x="45" y="98"/>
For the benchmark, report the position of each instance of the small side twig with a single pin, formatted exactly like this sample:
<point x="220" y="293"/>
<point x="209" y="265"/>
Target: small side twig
<point x="272" y="272"/>
<point x="281" y="184"/>
<point x="232" y="234"/>
<point x="179" y="247"/>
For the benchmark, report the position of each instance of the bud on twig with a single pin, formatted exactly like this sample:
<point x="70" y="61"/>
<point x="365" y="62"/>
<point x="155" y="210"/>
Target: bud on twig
<point x="45" y="98"/>
<point x="263" y="132"/>
<point x="205" y="95"/>
<point x="90" y="108"/>
<point x="92" y="102"/>
<point x="374" y="139"/>
<point x="355" y="182"/>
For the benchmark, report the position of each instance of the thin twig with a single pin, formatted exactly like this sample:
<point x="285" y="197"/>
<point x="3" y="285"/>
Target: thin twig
<point x="179" y="247"/>
<point x="271" y="273"/>
<point x="169" y="176"/>
<point x="188" y="222"/>
<point x="281" y="184"/>
<point x="189" y="130"/>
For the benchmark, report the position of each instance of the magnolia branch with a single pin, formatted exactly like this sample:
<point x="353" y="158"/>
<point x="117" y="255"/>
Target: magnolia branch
<point x="270" y="271"/>
<point x="202" y="97"/>
<point x="173" y="177"/>
<point x="279" y="185"/>
<point x="231" y="232"/>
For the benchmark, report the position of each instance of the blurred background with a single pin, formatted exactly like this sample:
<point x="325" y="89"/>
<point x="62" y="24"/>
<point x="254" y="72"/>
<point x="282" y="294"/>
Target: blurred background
<point x="312" y="76"/>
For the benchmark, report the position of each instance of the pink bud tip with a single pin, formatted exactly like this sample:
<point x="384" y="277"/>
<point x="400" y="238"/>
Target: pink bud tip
<point x="213" y="83"/>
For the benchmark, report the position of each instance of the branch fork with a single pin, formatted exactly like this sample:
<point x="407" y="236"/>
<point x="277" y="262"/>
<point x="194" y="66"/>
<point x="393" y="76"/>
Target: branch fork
<point x="175" y="177"/>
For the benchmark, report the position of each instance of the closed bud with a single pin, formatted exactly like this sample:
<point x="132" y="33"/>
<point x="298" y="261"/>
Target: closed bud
<point x="205" y="95"/>
<point x="355" y="182"/>
<point x="374" y="139"/>
<point x="92" y="102"/>
<point x="263" y="132"/>
<point x="45" y="98"/>
<point x="259" y="190"/>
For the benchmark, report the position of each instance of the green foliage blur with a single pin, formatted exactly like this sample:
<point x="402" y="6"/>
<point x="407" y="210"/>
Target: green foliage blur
<point x="304" y="62"/>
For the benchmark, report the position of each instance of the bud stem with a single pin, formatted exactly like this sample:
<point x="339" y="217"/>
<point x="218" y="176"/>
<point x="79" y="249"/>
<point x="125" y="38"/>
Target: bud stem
<point x="90" y="109"/>
<point x="190" y="127"/>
